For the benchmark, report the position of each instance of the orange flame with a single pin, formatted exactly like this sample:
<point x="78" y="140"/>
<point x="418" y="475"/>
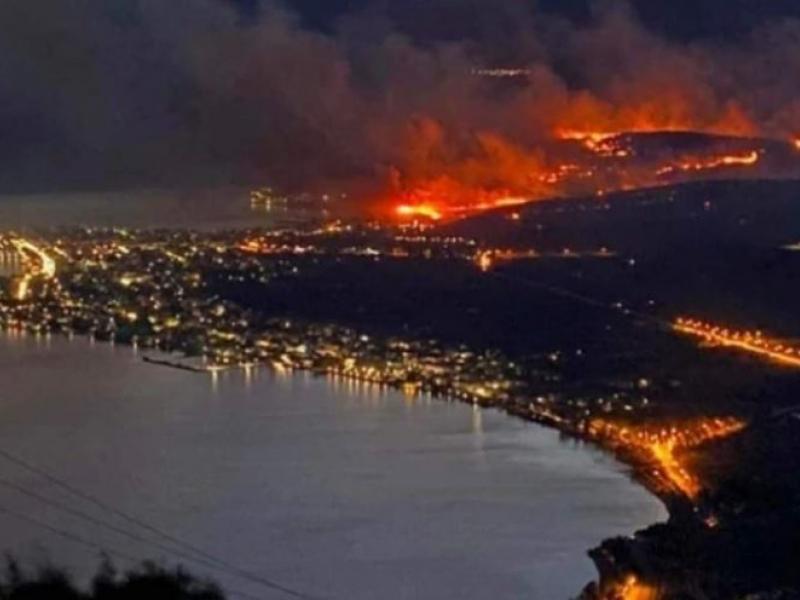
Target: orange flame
<point x="662" y="107"/>
<point x="427" y="211"/>
<point x="459" y="173"/>
<point x="633" y="589"/>
<point x="732" y="160"/>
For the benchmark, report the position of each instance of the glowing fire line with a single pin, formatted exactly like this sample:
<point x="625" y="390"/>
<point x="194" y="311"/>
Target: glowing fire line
<point x="436" y="212"/>
<point x="418" y="210"/>
<point x="733" y="160"/>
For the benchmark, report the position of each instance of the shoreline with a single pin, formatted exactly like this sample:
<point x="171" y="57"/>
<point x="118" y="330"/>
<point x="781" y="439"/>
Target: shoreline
<point x="639" y="471"/>
<point x="175" y="364"/>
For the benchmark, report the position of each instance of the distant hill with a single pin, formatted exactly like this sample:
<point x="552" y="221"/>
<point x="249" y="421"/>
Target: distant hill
<point x="698" y="215"/>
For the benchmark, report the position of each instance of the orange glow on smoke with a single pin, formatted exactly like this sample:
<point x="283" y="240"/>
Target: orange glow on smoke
<point x="577" y="147"/>
<point x="445" y="197"/>
<point x="482" y="205"/>
<point x="436" y="212"/>
<point x="661" y="446"/>
<point x="661" y="106"/>
<point x="459" y="176"/>
<point x="633" y="589"/>
<point x="428" y="211"/>
<point x="601" y="143"/>
<point x="517" y="182"/>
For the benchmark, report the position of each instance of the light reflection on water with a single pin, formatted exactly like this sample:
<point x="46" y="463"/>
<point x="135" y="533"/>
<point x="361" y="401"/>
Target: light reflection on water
<point x="340" y="488"/>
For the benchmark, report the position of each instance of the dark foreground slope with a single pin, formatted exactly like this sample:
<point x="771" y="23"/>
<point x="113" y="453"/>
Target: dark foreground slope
<point x="147" y="582"/>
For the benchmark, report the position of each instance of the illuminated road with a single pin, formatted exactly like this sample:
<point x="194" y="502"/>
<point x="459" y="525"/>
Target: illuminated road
<point x="47" y="265"/>
<point x="43" y="266"/>
<point x="661" y="446"/>
<point x="752" y="342"/>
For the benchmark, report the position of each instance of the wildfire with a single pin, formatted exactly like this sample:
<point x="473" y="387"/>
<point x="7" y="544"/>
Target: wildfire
<point x="661" y="446"/>
<point x="438" y="202"/>
<point x="500" y="202"/>
<point x="670" y="110"/>
<point x="427" y="211"/>
<point x="731" y="160"/>
<point x="484" y="261"/>
<point x="753" y="342"/>
<point x="633" y="589"/>
<point x="601" y="143"/>
<point x="583" y="149"/>
<point x="502" y="175"/>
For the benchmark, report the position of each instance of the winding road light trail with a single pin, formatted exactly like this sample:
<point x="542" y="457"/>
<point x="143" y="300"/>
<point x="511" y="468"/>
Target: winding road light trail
<point x="46" y="267"/>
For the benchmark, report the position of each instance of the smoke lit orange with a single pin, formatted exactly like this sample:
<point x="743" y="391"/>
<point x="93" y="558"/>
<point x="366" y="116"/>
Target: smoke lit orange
<point x="444" y="178"/>
<point x="418" y="210"/>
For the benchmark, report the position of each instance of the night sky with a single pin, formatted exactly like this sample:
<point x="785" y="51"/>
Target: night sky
<point x="193" y="92"/>
<point x="679" y="19"/>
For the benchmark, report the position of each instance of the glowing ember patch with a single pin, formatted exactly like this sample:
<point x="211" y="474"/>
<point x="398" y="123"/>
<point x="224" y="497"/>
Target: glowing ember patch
<point x="484" y="261"/>
<point x="741" y="160"/>
<point x="752" y="342"/>
<point x="604" y="144"/>
<point x="594" y="137"/>
<point x="747" y="159"/>
<point x="503" y="202"/>
<point x="588" y="150"/>
<point x="419" y="210"/>
<point x="588" y="119"/>
<point x="448" y="199"/>
<point x="633" y="589"/>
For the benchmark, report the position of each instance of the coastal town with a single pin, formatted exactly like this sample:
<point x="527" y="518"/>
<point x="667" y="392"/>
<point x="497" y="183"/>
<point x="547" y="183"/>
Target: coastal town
<point x="396" y="299"/>
<point x="155" y="292"/>
<point x="374" y="303"/>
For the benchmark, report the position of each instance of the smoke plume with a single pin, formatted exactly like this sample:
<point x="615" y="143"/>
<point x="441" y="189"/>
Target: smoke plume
<point x="455" y="102"/>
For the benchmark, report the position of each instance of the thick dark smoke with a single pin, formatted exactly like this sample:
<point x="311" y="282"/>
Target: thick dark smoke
<point x="153" y="92"/>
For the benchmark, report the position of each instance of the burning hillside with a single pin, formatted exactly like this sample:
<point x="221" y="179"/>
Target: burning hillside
<point x="434" y="109"/>
<point x="586" y="163"/>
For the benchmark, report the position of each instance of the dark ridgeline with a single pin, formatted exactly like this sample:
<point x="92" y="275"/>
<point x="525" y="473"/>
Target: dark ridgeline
<point x="148" y="581"/>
